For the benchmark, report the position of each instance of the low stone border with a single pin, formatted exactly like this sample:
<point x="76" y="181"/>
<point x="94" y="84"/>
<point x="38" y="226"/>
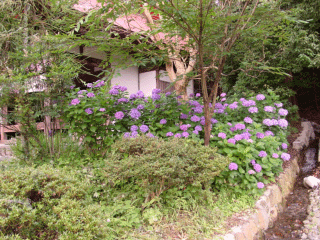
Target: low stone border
<point x="271" y="203"/>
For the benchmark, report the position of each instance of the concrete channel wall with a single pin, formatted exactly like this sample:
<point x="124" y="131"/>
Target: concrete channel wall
<point x="271" y="203"/>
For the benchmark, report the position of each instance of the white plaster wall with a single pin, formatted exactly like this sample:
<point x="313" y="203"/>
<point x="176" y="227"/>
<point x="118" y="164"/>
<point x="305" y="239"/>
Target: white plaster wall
<point x="147" y="82"/>
<point x="128" y="77"/>
<point x="190" y="88"/>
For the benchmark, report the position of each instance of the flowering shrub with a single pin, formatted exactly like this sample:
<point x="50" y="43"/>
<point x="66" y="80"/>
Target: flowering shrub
<point x="243" y="129"/>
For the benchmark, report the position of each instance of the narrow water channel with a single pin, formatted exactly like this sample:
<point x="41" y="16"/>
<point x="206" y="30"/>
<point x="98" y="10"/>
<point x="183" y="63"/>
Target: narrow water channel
<point x="290" y="222"/>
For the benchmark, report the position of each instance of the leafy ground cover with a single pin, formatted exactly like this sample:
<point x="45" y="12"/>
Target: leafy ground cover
<point x="146" y="174"/>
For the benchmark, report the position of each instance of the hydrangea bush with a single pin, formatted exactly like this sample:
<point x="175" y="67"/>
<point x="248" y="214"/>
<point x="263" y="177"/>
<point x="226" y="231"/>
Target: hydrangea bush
<point x="251" y="131"/>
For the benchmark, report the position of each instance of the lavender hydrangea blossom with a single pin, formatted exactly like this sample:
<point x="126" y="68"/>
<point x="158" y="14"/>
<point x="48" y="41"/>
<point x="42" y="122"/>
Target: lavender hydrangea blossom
<point x="257" y="167"/>
<point x="140" y="107"/>
<point x="89" y="110"/>
<point x="285" y="156"/>
<point x="284" y="146"/>
<point x="144" y="128"/>
<point x="119" y="115"/>
<point x="75" y="101"/>
<point x="260" y="185"/>
<point x="222" y="135"/>
<point x="140" y="94"/>
<point x="248" y="120"/>
<point x="253" y="110"/>
<point x="262" y="154"/>
<point x="198" y="128"/>
<point x="134" y="113"/>
<point x="283" y="123"/>
<point x="260" y="97"/>
<point x="237" y="137"/>
<point x="185" y="134"/>
<point x="90" y="94"/>
<point x="134" y="128"/>
<point x="240" y="126"/>
<point x="275" y="155"/>
<point x="177" y="135"/>
<point x="163" y="121"/>
<point x="156" y="91"/>
<point x="269" y="133"/>
<point x="102" y="109"/>
<point x="267" y="122"/>
<point x="169" y="134"/>
<point x="268" y="109"/>
<point x="279" y="105"/>
<point x="114" y="91"/>
<point x="232" y="141"/>
<point x="184" y="127"/>
<point x="195" y="118"/>
<point x="183" y="116"/>
<point x="125" y="100"/>
<point x="233" y="166"/>
<point x="259" y="135"/>
<point x="283" y="112"/>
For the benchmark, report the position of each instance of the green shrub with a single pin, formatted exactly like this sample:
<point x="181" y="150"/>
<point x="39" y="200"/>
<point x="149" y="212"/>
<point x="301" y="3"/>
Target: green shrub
<point x="156" y="165"/>
<point x="47" y="203"/>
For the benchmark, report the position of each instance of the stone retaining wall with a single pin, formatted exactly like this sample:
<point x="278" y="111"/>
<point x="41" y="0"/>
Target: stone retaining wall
<point x="271" y="203"/>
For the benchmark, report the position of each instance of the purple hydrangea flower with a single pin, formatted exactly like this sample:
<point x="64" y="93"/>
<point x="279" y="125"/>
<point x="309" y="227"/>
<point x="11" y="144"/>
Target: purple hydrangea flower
<point x="248" y="103"/>
<point x="90" y="94"/>
<point x="183" y="116"/>
<point x="222" y="135"/>
<point x="195" y="132"/>
<point x="220" y="111"/>
<point x="285" y="156"/>
<point x="233" y="166"/>
<point x="134" y="113"/>
<point x="232" y="129"/>
<point x="267" y="122"/>
<point x="184" y="127"/>
<point x="114" y="91"/>
<point x="240" y="126"/>
<point x="155" y="97"/>
<point x="257" y="167"/>
<point x="140" y="94"/>
<point x="232" y="141"/>
<point x="144" y="128"/>
<point x="191" y="95"/>
<point x="89" y="110"/>
<point x="75" y="101"/>
<point x="245" y="135"/>
<point x="126" y="135"/>
<point x="253" y="110"/>
<point x="195" y="118"/>
<point x="169" y="134"/>
<point x="283" y="112"/>
<point x="268" y="109"/>
<point x="102" y="109"/>
<point x="275" y="155"/>
<point x="283" y="123"/>
<point x="134" y="128"/>
<point x="259" y="135"/>
<point x="233" y="106"/>
<point x="275" y="122"/>
<point x="163" y="121"/>
<point x="156" y="91"/>
<point x="248" y="120"/>
<point x="229" y="123"/>
<point x="262" y="154"/>
<point x="223" y="94"/>
<point x="140" y="107"/>
<point x="198" y="95"/>
<point x="237" y="137"/>
<point x="168" y="94"/>
<point x="223" y="99"/>
<point x="72" y="87"/>
<point x="251" y="171"/>
<point x="119" y="115"/>
<point x="242" y="99"/>
<point x="250" y="140"/>
<point x="260" y="97"/>
<point x="253" y="162"/>
<point x="177" y="135"/>
<point x="213" y="121"/>
<point x="134" y="134"/>
<point x="125" y="100"/>
<point x="133" y="96"/>
<point x="185" y="134"/>
<point x="198" y="110"/>
<point x="279" y="105"/>
<point x="284" y="146"/>
<point x="89" y="85"/>
<point x="122" y="88"/>
<point x="198" y="128"/>
<point x="260" y="185"/>
<point x="269" y="133"/>
<point x="150" y="135"/>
